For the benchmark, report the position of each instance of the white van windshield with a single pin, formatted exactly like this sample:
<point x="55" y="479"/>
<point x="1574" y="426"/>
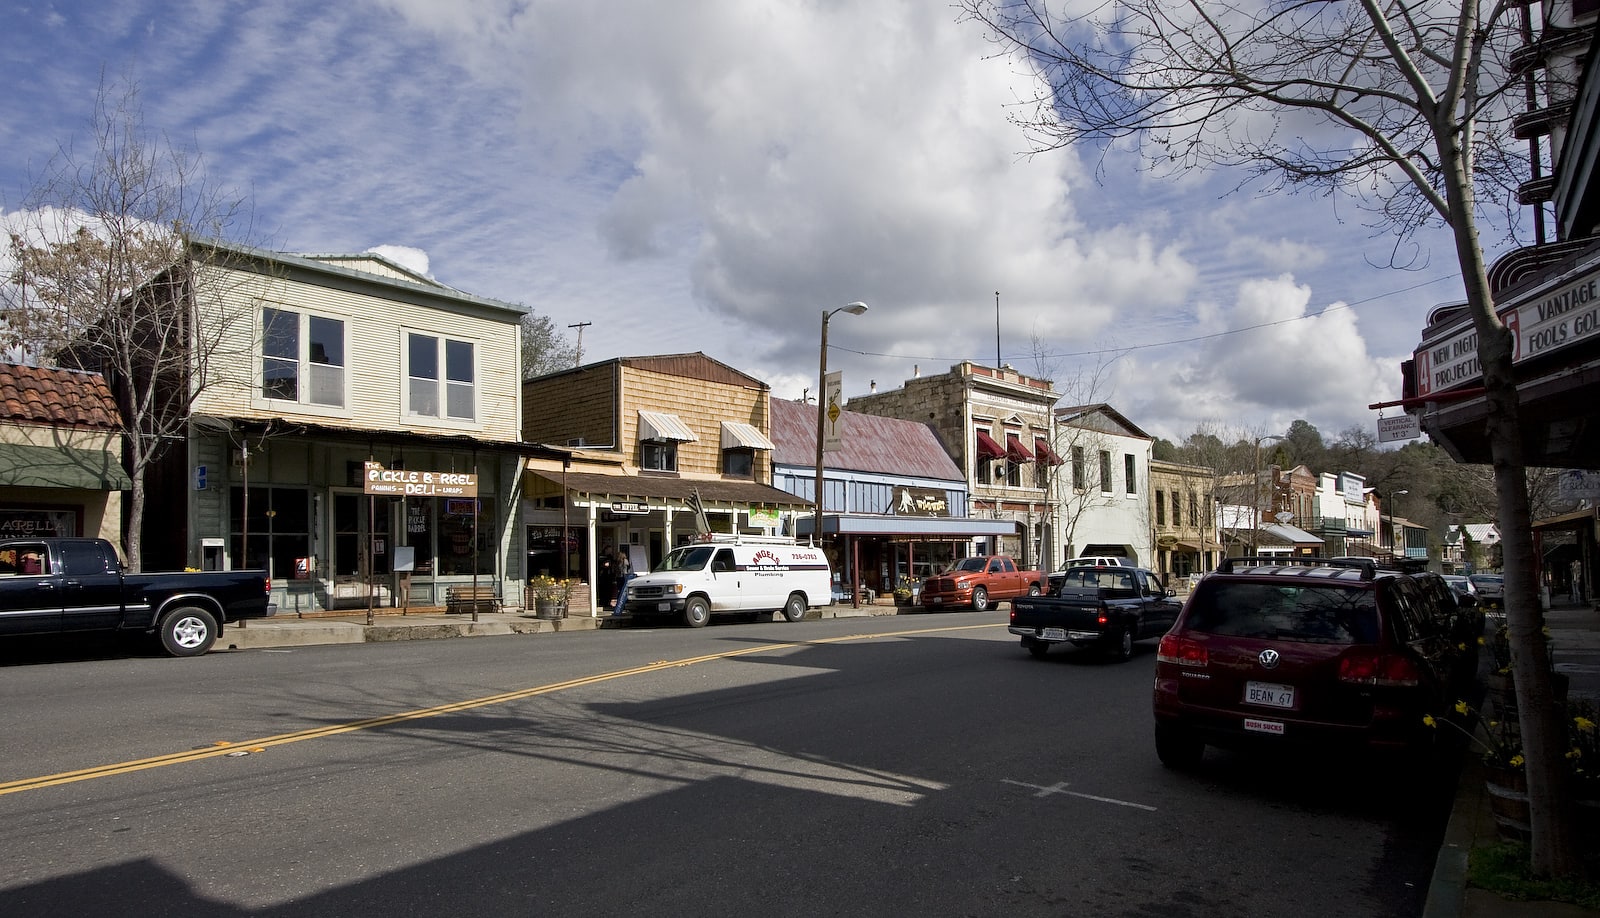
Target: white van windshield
<point x="687" y="559"/>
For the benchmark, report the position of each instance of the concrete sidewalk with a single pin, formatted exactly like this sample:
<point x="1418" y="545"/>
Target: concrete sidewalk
<point x="1575" y="636"/>
<point x="430" y="624"/>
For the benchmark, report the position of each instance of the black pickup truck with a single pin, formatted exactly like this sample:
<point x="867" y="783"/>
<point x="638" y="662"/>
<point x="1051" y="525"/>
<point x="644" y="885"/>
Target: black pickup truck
<point x="58" y="585"/>
<point x="1105" y="607"/>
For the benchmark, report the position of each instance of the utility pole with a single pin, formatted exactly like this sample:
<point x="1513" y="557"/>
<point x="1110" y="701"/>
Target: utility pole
<point x="577" y="361"/>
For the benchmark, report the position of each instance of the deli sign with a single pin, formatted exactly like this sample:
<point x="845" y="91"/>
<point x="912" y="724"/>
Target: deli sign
<point x="416" y="483"/>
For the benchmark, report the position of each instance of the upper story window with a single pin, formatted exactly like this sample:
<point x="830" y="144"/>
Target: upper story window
<point x="658" y="455"/>
<point x="1161" y="508"/>
<point x="1194" y="509"/>
<point x="1080" y="475"/>
<point x="1105" y="471"/>
<point x="302" y="357"/>
<point x="1130" y="473"/>
<point x="739" y="462"/>
<point x="426" y="355"/>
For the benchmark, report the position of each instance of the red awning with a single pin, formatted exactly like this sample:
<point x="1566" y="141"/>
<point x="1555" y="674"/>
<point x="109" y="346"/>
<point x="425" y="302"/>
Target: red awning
<point x="1045" y="454"/>
<point x="1015" y="451"/>
<point x="987" y="448"/>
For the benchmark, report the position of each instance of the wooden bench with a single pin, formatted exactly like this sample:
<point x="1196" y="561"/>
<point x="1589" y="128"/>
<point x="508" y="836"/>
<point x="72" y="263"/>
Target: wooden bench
<point x="470" y="599"/>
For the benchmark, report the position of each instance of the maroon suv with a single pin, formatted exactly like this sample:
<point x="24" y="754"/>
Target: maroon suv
<point x="1302" y="652"/>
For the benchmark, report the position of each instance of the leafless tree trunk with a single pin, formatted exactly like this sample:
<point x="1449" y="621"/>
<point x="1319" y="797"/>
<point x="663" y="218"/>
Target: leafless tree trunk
<point x="1401" y="106"/>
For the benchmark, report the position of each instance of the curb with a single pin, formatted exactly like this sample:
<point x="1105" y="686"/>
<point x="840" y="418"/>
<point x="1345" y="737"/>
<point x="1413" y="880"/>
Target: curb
<point x="1447" y="890"/>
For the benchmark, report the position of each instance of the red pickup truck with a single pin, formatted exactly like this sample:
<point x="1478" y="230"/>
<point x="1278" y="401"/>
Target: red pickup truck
<point x="978" y="582"/>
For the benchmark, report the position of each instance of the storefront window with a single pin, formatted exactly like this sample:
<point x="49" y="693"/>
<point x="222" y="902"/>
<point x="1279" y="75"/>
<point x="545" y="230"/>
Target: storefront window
<point x="37" y="523"/>
<point x="456" y="549"/>
<point x="279" y="525"/>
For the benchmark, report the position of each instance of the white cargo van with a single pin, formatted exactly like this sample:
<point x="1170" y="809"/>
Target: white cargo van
<point x="729" y="573"/>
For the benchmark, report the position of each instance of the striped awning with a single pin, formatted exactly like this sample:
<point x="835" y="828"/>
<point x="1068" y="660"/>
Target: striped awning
<point x="743" y="436"/>
<point x="658" y="425"/>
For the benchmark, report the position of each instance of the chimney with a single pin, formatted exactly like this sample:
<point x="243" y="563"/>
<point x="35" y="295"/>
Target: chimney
<point x="916" y="370"/>
<point x="874" y="388"/>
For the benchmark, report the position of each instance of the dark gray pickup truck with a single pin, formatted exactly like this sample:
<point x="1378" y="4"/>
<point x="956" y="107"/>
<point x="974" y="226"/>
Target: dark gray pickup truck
<point x="56" y="585"/>
<point x="1105" y="607"/>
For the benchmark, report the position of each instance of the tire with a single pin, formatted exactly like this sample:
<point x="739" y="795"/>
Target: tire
<point x="1033" y="589"/>
<point x="1178" y="749"/>
<point x="795" y="608"/>
<point x="1122" y="651"/>
<point x="696" y="612"/>
<point x="1037" y="648"/>
<point x="188" y="631"/>
<point x="980" y="599"/>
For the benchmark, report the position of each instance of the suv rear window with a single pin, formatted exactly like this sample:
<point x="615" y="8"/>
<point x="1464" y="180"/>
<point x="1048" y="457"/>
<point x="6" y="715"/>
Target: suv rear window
<point x="1319" y="614"/>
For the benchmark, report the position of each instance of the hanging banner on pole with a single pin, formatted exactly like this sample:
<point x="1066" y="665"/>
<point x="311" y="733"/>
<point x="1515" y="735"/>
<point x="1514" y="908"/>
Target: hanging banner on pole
<point x="832" y="412"/>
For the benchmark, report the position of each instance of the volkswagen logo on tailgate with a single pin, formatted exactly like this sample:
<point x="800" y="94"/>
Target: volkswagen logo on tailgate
<point x="1268" y="659"/>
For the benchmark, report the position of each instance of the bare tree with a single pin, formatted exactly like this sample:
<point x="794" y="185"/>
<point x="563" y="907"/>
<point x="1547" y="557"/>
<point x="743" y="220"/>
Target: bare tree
<point x="544" y="348"/>
<point x="1404" y="106"/>
<point x="108" y="275"/>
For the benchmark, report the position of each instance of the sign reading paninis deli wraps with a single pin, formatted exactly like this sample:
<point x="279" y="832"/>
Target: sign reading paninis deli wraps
<point x="1558" y="317"/>
<point x="414" y="483"/>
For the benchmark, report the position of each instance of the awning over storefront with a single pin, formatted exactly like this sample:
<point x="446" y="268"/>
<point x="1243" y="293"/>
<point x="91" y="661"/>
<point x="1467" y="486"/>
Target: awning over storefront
<point x="1015" y="451"/>
<point x="599" y="487"/>
<point x="907" y="526"/>
<point x="987" y="448"/>
<point x="743" y="436"/>
<point x="60" y="467"/>
<point x="1289" y="535"/>
<point x="658" y="425"/>
<point x="1045" y="454"/>
<point x="1183" y="545"/>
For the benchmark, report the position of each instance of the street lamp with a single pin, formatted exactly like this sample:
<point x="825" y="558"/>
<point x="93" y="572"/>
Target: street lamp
<point x="1255" y="493"/>
<point x="823" y="407"/>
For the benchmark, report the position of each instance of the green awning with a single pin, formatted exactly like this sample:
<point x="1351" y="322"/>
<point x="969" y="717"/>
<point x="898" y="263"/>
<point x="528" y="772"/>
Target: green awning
<point x="61" y="467"/>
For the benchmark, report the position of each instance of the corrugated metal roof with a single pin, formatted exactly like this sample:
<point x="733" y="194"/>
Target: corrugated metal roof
<point x="886" y="446"/>
<point x="599" y="485"/>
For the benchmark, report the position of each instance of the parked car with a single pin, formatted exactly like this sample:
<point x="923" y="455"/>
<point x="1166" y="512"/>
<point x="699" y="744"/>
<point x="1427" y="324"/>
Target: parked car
<point x="74" y="585"/>
<point x="1304" y="652"/>
<point x="719" y="574"/>
<point x="1491" y="591"/>
<point x="976" y="582"/>
<point x="1462" y="584"/>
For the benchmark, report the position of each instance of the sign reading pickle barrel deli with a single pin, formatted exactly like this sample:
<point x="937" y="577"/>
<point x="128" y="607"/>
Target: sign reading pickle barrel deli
<point x="411" y="483"/>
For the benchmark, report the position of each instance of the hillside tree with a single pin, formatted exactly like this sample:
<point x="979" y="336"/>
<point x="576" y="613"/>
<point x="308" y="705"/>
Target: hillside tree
<point x="1403" y="107"/>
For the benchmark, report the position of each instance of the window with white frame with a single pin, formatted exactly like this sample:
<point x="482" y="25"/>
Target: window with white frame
<point x="1105" y="471"/>
<point x="658" y="455"/>
<point x="432" y="363"/>
<point x="296" y="346"/>
<point x="1130" y="474"/>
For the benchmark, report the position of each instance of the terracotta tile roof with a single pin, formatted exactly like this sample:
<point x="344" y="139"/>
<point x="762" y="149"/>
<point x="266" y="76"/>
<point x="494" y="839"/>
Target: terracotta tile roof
<point x="886" y="446"/>
<point x="45" y="395"/>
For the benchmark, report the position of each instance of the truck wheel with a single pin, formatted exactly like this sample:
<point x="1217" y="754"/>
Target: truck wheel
<point x="696" y="612"/>
<point x="1036" y="647"/>
<point x="1123" y="650"/>
<point x="1177" y="748"/>
<point x="1033" y="589"/>
<point x="187" y="632"/>
<point x="795" y="608"/>
<point x="980" y="599"/>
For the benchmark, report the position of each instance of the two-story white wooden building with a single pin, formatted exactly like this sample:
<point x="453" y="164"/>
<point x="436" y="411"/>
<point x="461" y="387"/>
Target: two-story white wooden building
<point x="362" y="436"/>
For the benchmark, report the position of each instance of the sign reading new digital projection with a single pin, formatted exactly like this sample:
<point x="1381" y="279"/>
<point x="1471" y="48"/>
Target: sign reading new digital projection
<point x="413" y="483"/>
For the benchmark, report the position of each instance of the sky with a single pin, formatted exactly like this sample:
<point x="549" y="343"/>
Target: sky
<point x="714" y="175"/>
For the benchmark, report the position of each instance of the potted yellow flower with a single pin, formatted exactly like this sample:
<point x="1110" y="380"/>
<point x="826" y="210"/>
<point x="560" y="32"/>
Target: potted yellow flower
<point x="551" y="595"/>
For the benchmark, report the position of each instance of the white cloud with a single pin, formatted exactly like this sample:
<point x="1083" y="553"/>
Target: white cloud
<point x="712" y="175"/>
<point x="408" y="257"/>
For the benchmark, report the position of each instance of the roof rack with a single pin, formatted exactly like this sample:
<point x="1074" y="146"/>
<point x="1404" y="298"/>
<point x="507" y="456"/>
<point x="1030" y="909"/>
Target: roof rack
<point x="1367" y="566"/>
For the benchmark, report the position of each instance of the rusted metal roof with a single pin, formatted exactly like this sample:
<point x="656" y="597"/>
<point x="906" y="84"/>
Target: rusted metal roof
<point x="887" y="446"/>
<point x="713" y="491"/>
<point x="47" y="395"/>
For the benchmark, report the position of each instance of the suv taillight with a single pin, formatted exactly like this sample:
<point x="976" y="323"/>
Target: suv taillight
<point x="1372" y="667"/>
<point x="1181" y="650"/>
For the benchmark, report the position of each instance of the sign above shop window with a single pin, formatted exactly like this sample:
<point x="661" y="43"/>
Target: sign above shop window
<point x="629" y="506"/>
<point x="416" y="483"/>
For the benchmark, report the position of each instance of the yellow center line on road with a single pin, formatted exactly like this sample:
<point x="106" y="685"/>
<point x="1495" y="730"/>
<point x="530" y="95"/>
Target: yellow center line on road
<point x="224" y="747"/>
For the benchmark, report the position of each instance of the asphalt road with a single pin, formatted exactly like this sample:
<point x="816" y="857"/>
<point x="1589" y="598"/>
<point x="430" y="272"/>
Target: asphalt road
<point x="913" y="765"/>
